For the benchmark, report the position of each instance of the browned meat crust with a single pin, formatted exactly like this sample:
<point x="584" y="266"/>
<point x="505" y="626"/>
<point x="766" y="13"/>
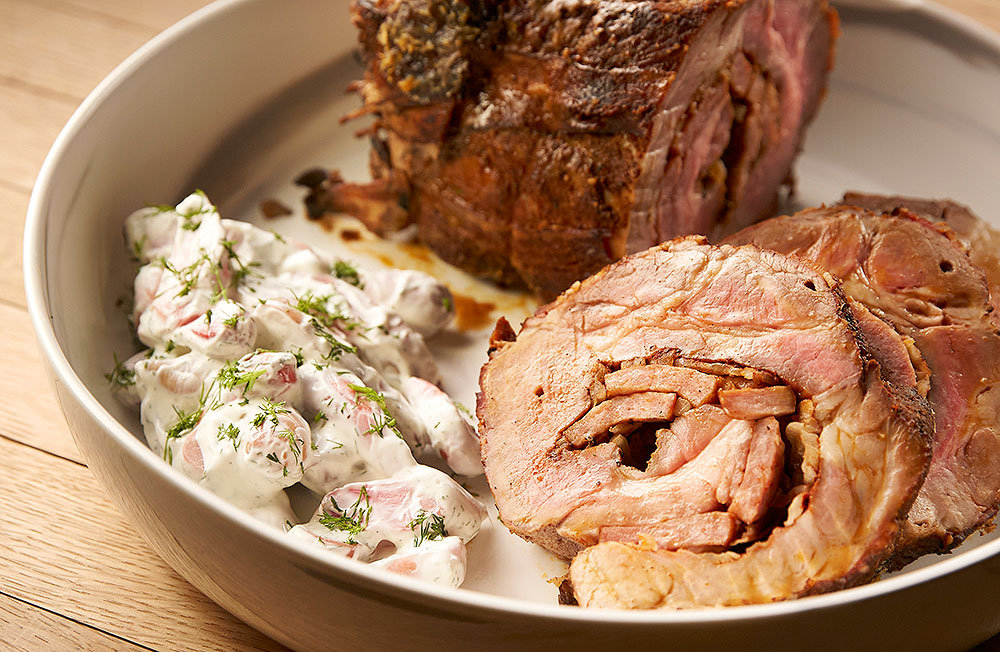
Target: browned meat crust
<point x="916" y="276"/>
<point x="534" y="141"/>
<point x="825" y="503"/>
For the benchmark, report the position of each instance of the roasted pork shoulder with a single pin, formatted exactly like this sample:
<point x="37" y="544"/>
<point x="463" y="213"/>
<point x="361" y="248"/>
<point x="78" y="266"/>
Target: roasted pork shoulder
<point x="916" y="276"/>
<point x="535" y="141"/>
<point x="981" y="240"/>
<point x="705" y="426"/>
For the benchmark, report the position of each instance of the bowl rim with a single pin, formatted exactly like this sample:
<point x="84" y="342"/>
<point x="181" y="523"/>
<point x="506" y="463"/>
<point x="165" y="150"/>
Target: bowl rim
<point x="415" y="592"/>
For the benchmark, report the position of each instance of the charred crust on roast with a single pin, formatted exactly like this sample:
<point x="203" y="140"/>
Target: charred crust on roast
<point x="503" y="334"/>
<point x="566" y="595"/>
<point x="526" y="129"/>
<point x="423" y="45"/>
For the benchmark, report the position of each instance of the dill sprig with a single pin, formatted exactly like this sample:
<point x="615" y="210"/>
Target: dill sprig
<point x="239" y="269"/>
<point x="269" y="411"/>
<point x="427" y="526"/>
<point x="318" y="308"/>
<point x="380" y="421"/>
<point x="187" y="276"/>
<point x="230" y="432"/>
<point x="337" y="348"/>
<point x="232" y="376"/>
<point x="186" y="421"/>
<point x="372" y="395"/>
<point x="352" y="521"/>
<point x="121" y="376"/>
<point x="347" y="272"/>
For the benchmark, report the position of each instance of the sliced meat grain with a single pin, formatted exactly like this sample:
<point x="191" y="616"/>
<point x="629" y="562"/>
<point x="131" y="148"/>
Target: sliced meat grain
<point x="753" y="404"/>
<point x="645" y="407"/>
<point x="695" y="387"/>
<point x="708" y="531"/>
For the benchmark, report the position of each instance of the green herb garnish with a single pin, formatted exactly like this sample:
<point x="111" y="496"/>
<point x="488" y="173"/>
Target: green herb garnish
<point x="269" y="411"/>
<point x="185" y="422"/>
<point x="353" y="521"/>
<point x="347" y="272"/>
<point x="231" y="376"/>
<point x="121" y="376"/>
<point x="230" y="432"/>
<point x="427" y="526"/>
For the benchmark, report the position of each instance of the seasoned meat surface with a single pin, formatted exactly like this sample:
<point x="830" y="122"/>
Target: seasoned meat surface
<point x="728" y="502"/>
<point x="535" y="141"/>
<point x="916" y="276"/>
<point x="981" y="240"/>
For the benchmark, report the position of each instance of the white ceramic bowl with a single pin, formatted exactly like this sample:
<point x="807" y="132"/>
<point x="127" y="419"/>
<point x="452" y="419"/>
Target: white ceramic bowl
<point x="219" y="100"/>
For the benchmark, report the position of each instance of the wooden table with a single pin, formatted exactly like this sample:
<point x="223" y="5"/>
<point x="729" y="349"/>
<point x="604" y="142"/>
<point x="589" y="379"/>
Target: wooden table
<point x="73" y="573"/>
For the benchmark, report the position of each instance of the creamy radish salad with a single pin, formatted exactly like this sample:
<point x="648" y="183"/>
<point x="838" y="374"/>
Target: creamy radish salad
<point x="271" y="365"/>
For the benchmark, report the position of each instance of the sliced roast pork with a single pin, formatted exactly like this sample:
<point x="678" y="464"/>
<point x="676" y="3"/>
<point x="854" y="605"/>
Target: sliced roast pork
<point x="535" y="141"/>
<point x="916" y="276"/>
<point x="981" y="240"/>
<point x="784" y="465"/>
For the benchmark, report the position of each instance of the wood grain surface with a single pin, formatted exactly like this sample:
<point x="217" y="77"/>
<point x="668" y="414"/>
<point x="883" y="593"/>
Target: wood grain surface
<point x="73" y="574"/>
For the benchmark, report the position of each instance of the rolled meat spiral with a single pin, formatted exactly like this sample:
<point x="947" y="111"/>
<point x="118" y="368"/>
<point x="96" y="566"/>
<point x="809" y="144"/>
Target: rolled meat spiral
<point x="704" y="426"/>
<point x="916" y="275"/>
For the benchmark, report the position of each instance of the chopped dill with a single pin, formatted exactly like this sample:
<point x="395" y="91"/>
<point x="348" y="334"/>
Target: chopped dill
<point x="347" y="272"/>
<point x="427" y="526"/>
<point x="139" y="247"/>
<point x="230" y="432"/>
<point x="381" y="420"/>
<point x="185" y="422"/>
<point x="274" y="458"/>
<point x="337" y="348"/>
<point x="293" y="445"/>
<point x="318" y="309"/>
<point x="240" y="270"/>
<point x="121" y="376"/>
<point x="353" y="521"/>
<point x="186" y="276"/>
<point x="370" y="394"/>
<point x="269" y="412"/>
<point x="231" y="376"/>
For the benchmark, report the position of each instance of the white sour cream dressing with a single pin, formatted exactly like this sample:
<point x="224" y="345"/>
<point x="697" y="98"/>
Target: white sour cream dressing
<point x="271" y="365"/>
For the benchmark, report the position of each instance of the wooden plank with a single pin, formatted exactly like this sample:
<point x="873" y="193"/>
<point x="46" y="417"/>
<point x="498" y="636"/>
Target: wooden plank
<point x="29" y="123"/>
<point x="33" y="416"/>
<point x="985" y="11"/>
<point x="61" y="52"/>
<point x="13" y="207"/>
<point x="26" y="628"/>
<point x="69" y="551"/>
<point x="152" y="14"/>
